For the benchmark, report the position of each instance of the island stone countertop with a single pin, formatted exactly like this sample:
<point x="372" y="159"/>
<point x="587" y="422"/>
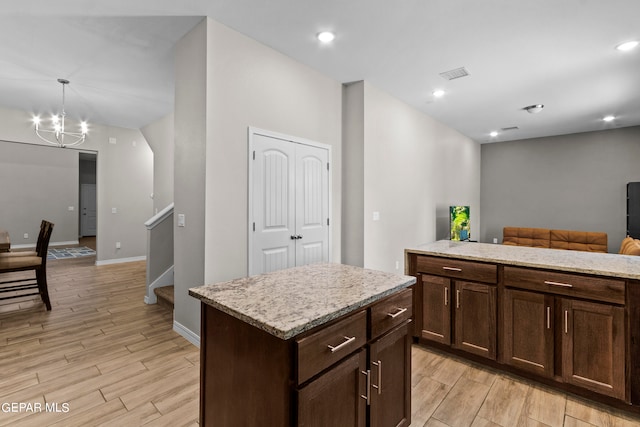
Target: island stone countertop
<point x="612" y="265"/>
<point x="288" y="302"/>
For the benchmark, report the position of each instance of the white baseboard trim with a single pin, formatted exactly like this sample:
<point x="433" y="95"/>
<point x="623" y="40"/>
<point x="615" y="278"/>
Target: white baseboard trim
<point x="121" y="260"/>
<point x="187" y="334"/>
<point x="165" y="279"/>
<point x="33" y="245"/>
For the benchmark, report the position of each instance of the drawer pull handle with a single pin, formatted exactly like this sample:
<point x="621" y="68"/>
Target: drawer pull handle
<point x="379" y="386"/>
<point x="457" y="298"/>
<point x="446" y="297"/>
<point x="548" y="317"/>
<point x="348" y="340"/>
<point x="564" y="285"/>
<point x="367" y="396"/>
<point x="566" y="321"/>
<point x="452" y="269"/>
<point x="397" y="313"/>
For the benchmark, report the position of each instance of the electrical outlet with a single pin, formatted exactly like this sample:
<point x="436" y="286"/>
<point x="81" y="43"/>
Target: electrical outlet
<point x="26" y="235"/>
<point x="114" y="210"/>
<point x="397" y="265"/>
<point x="376" y="216"/>
<point x="495" y="240"/>
<point x="181" y="220"/>
<point x="117" y="245"/>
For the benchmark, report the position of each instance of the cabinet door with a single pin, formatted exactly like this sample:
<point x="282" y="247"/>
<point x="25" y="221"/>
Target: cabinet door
<point x="436" y="310"/>
<point x="528" y="331"/>
<point x="335" y="398"/>
<point x="593" y="346"/>
<point x="390" y="369"/>
<point x="475" y="319"/>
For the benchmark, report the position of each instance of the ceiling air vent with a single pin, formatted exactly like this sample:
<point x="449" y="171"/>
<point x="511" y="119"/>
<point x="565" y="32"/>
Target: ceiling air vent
<point x="455" y="73"/>
<point x="510" y="128"/>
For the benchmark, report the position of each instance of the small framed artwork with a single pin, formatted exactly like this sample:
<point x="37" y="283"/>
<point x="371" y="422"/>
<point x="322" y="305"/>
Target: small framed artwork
<point x="459" y="222"/>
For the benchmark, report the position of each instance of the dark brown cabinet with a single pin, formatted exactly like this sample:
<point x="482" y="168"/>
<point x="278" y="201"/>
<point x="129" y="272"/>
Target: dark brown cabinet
<point x="436" y="309"/>
<point x="593" y="346"/>
<point x="390" y="371"/>
<point x="455" y="309"/>
<point x="572" y="329"/>
<point x="529" y="331"/>
<point x="335" y="398"/>
<point x="475" y="319"/>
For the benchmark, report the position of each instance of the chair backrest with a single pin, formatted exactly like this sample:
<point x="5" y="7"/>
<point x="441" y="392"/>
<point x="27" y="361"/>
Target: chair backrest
<point x="40" y="235"/>
<point x="46" y="228"/>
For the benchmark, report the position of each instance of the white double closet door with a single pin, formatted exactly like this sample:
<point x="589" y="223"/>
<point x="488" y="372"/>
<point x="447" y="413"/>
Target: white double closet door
<point x="288" y="203"/>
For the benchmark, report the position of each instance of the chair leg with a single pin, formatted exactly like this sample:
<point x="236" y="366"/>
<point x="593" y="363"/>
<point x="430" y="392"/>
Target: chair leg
<point x="41" y="277"/>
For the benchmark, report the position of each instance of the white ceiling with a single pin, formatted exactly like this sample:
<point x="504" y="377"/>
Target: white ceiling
<point x="118" y="56"/>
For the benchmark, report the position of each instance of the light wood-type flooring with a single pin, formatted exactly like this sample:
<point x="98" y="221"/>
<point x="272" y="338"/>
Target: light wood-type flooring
<point x="103" y="357"/>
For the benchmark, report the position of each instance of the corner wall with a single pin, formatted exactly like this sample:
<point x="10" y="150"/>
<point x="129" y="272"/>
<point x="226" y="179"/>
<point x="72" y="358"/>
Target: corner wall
<point x="573" y="182"/>
<point x="414" y="168"/>
<point x="160" y="137"/>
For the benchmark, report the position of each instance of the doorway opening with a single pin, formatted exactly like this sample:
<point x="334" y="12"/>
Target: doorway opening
<point x="87" y="218"/>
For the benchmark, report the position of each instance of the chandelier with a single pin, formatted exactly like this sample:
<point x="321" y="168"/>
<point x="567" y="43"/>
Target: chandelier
<point x="57" y="135"/>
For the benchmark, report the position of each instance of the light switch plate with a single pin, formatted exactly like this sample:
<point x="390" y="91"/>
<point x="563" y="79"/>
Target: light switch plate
<point x="376" y="216"/>
<point x="181" y="220"/>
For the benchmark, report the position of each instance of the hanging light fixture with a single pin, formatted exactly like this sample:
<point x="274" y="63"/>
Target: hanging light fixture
<point x="57" y="135"/>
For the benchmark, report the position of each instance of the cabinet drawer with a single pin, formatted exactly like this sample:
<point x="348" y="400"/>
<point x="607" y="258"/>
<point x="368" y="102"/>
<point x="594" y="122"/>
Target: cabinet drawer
<point x="391" y="312"/>
<point x="595" y="288"/>
<point x="458" y="269"/>
<point x="330" y="344"/>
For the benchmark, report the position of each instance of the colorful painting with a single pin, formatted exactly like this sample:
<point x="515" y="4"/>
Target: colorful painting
<point x="459" y="220"/>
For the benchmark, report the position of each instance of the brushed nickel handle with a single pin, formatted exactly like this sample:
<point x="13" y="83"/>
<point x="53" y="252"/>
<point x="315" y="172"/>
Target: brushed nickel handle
<point x="397" y="313"/>
<point x="457" y="298"/>
<point x="452" y="269"/>
<point x="367" y="396"/>
<point x="379" y="386"/>
<point x="446" y="297"/>
<point x="348" y="340"/>
<point x="564" y="285"/>
<point x="548" y="317"/>
<point x="566" y="321"/>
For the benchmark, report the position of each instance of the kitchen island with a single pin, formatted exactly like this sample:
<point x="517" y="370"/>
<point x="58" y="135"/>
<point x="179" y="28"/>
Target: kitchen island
<point x="566" y="318"/>
<point x="306" y="346"/>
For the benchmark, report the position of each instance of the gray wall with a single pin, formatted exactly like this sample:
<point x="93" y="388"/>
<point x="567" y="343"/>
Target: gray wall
<point x="189" y="174"/>
<point x="160" y="137"/>
<point x="225" y="83"/>
<point x="38" y="183"/>
<point x="575" y="182"/>
<point x="412" y="168"/>
<point x="124" y="182"/>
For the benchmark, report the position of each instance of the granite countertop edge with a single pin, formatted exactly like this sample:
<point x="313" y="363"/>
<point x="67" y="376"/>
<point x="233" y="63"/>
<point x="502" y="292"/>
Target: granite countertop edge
<point x="305" y="325"/>
<point x="515" y="261"/>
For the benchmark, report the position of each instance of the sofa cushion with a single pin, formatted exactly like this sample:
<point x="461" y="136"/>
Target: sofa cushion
<point x="526" y="236"/>
<point x="632" y="247"/>
<point x="579" y="240"/>
<point x="625" y="242"/>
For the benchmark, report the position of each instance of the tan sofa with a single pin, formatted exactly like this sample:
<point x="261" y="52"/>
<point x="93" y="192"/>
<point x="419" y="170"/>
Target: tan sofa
<point x="630" y="246"/>
<point x="589" y="241"/>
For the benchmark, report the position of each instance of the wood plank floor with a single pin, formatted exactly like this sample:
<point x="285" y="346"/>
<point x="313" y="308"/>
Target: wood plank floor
<point x="106" y="358"/>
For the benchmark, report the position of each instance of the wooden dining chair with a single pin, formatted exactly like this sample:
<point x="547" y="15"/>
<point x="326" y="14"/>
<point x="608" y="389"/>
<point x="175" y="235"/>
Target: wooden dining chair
<point x="24" y="261"/>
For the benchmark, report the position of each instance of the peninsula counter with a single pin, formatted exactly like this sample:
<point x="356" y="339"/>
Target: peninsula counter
<point x="567" y="318"/>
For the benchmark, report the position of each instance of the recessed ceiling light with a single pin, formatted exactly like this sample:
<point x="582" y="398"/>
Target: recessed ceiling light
<point x="326" y="36"/>
<point x="438" y="93"/>
<point x="493" y="134"/>
<point x="627" y="46"/>
<point x="608" y="118"/>
<point x="535" y="108"/>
